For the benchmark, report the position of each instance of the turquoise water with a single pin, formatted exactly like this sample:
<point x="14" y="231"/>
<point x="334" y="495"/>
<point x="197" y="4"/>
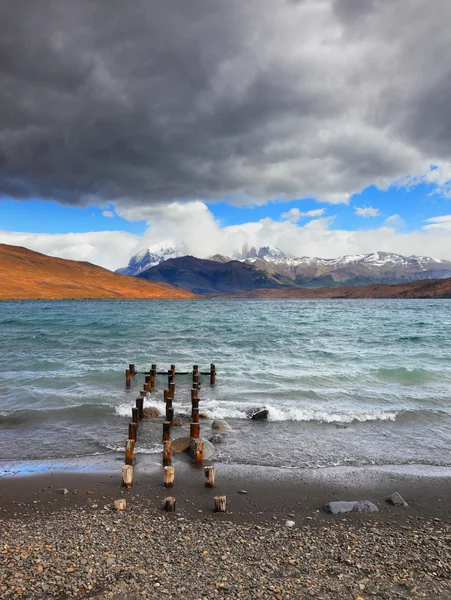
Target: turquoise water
<point x="345" y="381"/>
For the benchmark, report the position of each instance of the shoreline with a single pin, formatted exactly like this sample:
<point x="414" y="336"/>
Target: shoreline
<point x="272" y="493"/>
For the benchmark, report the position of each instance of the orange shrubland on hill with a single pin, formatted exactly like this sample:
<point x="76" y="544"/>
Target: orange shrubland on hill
<point x="28" y="275"/>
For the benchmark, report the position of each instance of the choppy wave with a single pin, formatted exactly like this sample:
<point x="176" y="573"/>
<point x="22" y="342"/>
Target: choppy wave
<point x="30" y="416"/>
<point x="407" y="376"/>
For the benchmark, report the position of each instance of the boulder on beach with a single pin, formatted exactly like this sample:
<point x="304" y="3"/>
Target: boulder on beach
<point x="258" y="414"/>
<point x="360" y="506"/>
<point x="209" y="450"/>
<point x="203" y="416"/>
<point x="217" y="438"/>
<point x="151" y="411"/>
<point x="396" y="500"/>
<point x="181" y="444"/>
<point x="221" y="425"/>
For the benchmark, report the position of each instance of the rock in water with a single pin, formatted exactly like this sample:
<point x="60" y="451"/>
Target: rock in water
<point x="209" y="450"/>
<point x="360" y="506"/>
<point x="177" y="422"/>
<point x="258" y="414"/>
<point x="220" y="425"/>
<point x="396" y="500"/>
<point x="151" y="411"/>
<point x="181" y="444"/>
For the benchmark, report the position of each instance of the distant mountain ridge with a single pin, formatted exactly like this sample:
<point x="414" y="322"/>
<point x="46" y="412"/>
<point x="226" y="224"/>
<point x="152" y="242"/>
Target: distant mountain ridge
<point x="284" y="270"/>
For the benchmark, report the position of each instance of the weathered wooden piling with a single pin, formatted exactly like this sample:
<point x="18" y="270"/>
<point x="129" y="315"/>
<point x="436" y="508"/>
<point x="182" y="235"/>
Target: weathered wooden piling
<point x="169" y="504"/>
<point x="129" y="451"/>
<point x="143" y="393"/>
<point x="196" y="378"/>
<point x="135" y="416"/>
<point x="172" y="389"/>
<point x="127" y="377"/>
<point x="140" y="407"/>
<point x="170" y="377"/>
<point x="195" y="385"/>
<point x="132" y="431"/>
<point x="198" y="453"/>
<point x="173" y="369"/>
<point x="166" y="395"/>
<point x="220" y="503"/>
<point x="153" y="369"/>
<point x="194" y="395"/>
<point x="166" y="431"/>
<point x="120" y="504"/>
<point x="195" y="402"/>
<point x="170" y="414"/>
<point x="209" y="477"/>
<point x="195" y="415"/>
<point x="127" y="476"/>
<point x="132" y="369"/>
<point x="167" y="452"/>
<point x="194" y="430"/>
<point x="212" y="374"/>
<point x="169" y="477"/>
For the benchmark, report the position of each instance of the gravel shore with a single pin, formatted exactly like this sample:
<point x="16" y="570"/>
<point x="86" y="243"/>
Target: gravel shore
<point x="98" y="553"/>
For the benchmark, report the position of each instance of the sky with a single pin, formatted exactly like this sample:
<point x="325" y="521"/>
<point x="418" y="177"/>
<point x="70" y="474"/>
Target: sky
<point x="321" y="127"/>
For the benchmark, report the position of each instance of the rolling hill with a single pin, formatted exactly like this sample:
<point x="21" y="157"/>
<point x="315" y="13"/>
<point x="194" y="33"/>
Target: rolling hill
<point x="28" y="275"/>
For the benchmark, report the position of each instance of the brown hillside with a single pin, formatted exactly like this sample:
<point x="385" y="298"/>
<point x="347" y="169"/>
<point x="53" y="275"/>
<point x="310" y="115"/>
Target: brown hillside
<point x="428" y="288"/>
<point x="28" y="275"/>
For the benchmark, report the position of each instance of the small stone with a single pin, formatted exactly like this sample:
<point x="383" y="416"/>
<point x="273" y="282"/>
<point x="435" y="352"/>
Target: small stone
<point x="63" y="491"/>
<point x="336" y="508"/>
<point x="289" y="523"/>
<point x="242" y="491"/>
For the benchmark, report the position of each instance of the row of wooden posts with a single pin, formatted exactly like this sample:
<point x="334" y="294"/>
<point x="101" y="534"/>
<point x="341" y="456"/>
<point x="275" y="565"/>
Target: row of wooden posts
<point x="168" y="396"/>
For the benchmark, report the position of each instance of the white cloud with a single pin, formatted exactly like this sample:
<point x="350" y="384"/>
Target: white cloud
<point x="438" y="223"/>
<point x="108" y="213"/>
<point x="368" y="211"/>
<point x="394" y="221"/>
<point x="294" y="214"/>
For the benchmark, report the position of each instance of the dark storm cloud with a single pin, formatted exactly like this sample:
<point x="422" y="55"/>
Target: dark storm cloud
<point x="139" y="102"/>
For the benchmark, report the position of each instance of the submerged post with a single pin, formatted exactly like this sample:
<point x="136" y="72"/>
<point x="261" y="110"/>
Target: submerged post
<point x="195" y="415"/>
<point x="170" y="414"/>
<point x="132" y="431"/>
<point x="127" y="378"/>
<point x="194" y="430"/>
<point x="172" y="389"/>
<point x="140" y="407"/>
<point x="132" y="369"/>
<point x="212" y="374"/>
<point x="166" y="431"/>
<point x="135" y="416"/>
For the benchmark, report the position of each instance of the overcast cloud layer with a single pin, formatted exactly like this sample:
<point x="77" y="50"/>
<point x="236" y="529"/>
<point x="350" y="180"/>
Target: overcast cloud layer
<point x="146" y="102"/>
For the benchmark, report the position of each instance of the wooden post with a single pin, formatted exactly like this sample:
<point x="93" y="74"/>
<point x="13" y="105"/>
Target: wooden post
<point x="194" y="394"/>
<point x="166" y="431"/>
<point x="194" y="430"/>
<point x="195" y="377"/>
<point x="169" y="477"/>
<point x="198" y="452"/>
<point x="132" y="369"/>
<point x="143" y="393"/>
<point x="152" y="381"/>
<point x="212" y="374"/>
<point x="127" y="378"/>
<point x="140" y="407"/>
<point x="120" y="504"/>
<point x="209" y="477"/>
<point x="166" y="395"/>
<point x="167" y="452"/>
<point x="135" y="416"/>
<point x="170" y="377"/>
<point x="132" y="431"/>
<point x="127" y="476"/>
<point x="129" y="451"/>
<point x="195" y="415"/>
<point x="169" y="504"/>
<point x="172" y="389"/>
<point x="220" y="503"/>
<point x="173" y="369"/>
<point x="195" y="385"/>
<point x="170" y="414"/>
<point x="154" y="369"/>
<point x="194" y="402"/>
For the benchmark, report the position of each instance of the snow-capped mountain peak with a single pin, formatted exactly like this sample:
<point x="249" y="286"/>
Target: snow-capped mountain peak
<point x="152" y="256"/>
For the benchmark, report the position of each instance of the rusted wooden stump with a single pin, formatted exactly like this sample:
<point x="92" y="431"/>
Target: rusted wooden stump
<point x="194" y="430"/>
<point x="120" y="504"/>
<point x="170" y="414"/>
<point x="140" y="407"/>
<point x="132" y="369"/>
<point x="127" y="377"/>
<point x="135" y="416"/>
<point x="169" y="504"/>
<point x="127" y="476"/>
<point x="209" y="473"/>
<point x="195" y="415"/>
<point x="212" y="374"/>
<point x="169" y="477"/>
<point x="172" y="389"/>
<point x="198" y="453"/>
<point x="220" y="503"/>
<point x="129" y="451"/>
<point x="167" y="452"/>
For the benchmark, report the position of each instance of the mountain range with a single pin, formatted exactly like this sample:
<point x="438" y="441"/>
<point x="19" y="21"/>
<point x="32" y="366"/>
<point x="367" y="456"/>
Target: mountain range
<point x="272" y="268"/>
